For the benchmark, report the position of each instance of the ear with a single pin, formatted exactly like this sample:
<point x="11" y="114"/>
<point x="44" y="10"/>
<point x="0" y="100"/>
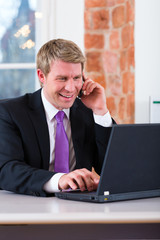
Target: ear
<point x="41" y="76"/>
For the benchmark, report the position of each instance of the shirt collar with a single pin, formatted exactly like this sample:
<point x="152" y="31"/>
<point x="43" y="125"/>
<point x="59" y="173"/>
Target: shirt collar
<point x="50" y="110"/>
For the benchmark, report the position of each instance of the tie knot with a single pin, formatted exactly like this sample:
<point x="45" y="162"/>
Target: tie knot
<point x="59" y="116"/>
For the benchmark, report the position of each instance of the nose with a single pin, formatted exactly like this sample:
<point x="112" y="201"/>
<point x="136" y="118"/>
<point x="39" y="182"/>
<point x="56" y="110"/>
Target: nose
<point x="70" y="86"/>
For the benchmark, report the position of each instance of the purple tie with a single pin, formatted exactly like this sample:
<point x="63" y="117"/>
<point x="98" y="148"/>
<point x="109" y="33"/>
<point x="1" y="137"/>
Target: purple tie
<point x="61" y="146"/>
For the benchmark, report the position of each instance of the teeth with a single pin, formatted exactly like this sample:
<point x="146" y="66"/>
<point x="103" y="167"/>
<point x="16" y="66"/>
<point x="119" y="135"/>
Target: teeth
<point x="65" y="96"/>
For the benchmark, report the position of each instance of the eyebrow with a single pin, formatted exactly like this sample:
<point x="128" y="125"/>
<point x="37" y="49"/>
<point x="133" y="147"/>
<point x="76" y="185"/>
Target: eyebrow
<point x="65" y="76"/>
<point x="79" y="75"/>
<point x="59" y="76"/>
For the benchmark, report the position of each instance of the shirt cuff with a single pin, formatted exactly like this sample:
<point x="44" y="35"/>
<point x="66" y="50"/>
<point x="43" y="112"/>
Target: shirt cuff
<point x="52" y="185"/>
<point x="104" y="121"/>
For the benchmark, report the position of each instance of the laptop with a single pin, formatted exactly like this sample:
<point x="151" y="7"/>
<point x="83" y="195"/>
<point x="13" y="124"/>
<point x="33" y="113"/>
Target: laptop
<point x="131" y="167"/>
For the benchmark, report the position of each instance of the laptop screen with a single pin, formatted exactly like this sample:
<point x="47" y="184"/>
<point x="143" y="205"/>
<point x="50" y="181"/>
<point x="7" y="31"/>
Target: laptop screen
<point x="132" y="160"/>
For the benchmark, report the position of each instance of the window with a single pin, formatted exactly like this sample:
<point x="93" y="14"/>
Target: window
<point x="17" y="47"/>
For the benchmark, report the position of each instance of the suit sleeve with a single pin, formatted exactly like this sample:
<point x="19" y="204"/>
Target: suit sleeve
<point x="15" y="174"/>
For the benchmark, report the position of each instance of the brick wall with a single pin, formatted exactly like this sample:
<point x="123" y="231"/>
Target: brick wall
<point x="109" y="49"/>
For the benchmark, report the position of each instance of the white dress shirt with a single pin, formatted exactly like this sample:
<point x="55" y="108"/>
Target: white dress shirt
<point x="51" y="111"/>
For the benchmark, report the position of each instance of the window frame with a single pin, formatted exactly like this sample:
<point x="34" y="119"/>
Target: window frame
<point x="43" y="34"/>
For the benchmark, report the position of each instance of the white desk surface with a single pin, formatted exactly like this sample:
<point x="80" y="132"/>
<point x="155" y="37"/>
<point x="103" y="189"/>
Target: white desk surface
<point x="21" y="209"/>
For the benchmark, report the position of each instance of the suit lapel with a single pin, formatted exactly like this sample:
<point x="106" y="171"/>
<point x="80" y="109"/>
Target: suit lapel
<point x="38" y="118"/>
<point x="77" y="123"/>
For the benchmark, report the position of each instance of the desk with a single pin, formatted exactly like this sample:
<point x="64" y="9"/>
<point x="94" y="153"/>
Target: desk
<point x="28" y="217"/>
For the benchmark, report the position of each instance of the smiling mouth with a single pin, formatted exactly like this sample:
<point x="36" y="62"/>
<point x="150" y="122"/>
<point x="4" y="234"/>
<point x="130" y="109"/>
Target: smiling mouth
<point x="66" y="96"/>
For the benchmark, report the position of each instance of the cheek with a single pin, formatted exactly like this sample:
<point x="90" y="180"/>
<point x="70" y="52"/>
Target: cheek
<point x="54" y="87"/>
<point x="79" y="85"/>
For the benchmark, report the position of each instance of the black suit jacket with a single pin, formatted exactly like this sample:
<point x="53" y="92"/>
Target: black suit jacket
<point x="25" y="148"/>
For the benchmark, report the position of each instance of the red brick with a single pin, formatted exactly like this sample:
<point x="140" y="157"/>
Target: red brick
<point x="131" y="120"/>
<point x="93" y="63"/>
<point x="128" y="82"/>
<point x="110" y="62"/>
<point x="131" y="86"/>
<point x="132" y="35"/>
<point x="122" y="108"/>
<point x="125" y="82"/>
<point x="99" y="78"/>
<point x="126" y="36"/>
<point x="100" y="19"/>
<point x="110" y="3"/>
<point x="131" y="60"/>
<point x="114" y="40"/>
<point x="87" y="19"/>
<point x="123" y="60"/>
<point x="130" y="106"/>
<point x="118" y="16"/>
<point x="111" y="105"/>
<point x="95" y="3"/>
<point x="130" y="12"/>
<point x="119" y="57"/>
<point x="120" y="1"/>
<point x="115" y="85"/>
<point x="94" y="41"/>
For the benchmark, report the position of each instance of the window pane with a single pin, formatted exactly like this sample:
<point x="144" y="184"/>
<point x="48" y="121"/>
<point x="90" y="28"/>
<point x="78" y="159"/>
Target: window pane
<point x="16" y="82"/>
<point x="17" y="31"/>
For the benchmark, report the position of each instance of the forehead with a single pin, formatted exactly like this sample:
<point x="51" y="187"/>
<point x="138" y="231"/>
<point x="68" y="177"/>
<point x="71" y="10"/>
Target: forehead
<point x="62" y="67"/>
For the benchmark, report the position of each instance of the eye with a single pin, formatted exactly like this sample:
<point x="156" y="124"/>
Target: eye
<point x="77" y="77"/>
<point x="62" y="79"/>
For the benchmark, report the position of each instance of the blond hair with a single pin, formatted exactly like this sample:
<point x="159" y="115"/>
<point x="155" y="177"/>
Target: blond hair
<point x="58" y="49"/>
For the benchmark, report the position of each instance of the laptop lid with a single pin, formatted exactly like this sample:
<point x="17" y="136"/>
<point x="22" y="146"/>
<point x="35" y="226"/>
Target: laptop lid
<point x="132" y="160"/>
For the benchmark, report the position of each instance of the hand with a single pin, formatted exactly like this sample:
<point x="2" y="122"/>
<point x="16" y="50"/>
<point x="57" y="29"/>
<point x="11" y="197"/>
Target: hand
<point x="94" y="96"/>
<point x="79" y="179"/>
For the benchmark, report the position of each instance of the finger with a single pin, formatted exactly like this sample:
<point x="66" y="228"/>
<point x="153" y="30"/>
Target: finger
<point x="73" y="184"/>
<point x="66" y="182"/>
<point x="89" y="86"/>
<point x="89" y="179"/>
<point x="95" y="178"/>
<point x="72" y="180"/>
<point x="96" y="182"/>
<point x="79" y="180"/>
<point x="86" y="81"/>
<point x="82" y="179"/>
<point x="83" y="76"/>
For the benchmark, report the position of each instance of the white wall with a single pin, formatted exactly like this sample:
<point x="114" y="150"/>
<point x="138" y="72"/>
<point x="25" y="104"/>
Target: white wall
<point x="69" y="20"/>
<point x="60" y="19"/>
<point x="147" y="56"/>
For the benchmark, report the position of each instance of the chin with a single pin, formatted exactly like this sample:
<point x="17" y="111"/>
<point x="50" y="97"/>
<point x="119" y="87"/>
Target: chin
<point x="68" y="105"/>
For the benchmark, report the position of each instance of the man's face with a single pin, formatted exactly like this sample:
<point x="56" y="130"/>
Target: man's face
<point x="62" y="84"/>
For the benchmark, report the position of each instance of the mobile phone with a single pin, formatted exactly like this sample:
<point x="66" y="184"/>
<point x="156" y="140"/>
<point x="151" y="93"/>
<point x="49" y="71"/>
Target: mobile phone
<point x="81" y="91"/>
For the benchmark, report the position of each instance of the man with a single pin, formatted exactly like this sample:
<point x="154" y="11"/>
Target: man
<point x="28" y="126"/>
